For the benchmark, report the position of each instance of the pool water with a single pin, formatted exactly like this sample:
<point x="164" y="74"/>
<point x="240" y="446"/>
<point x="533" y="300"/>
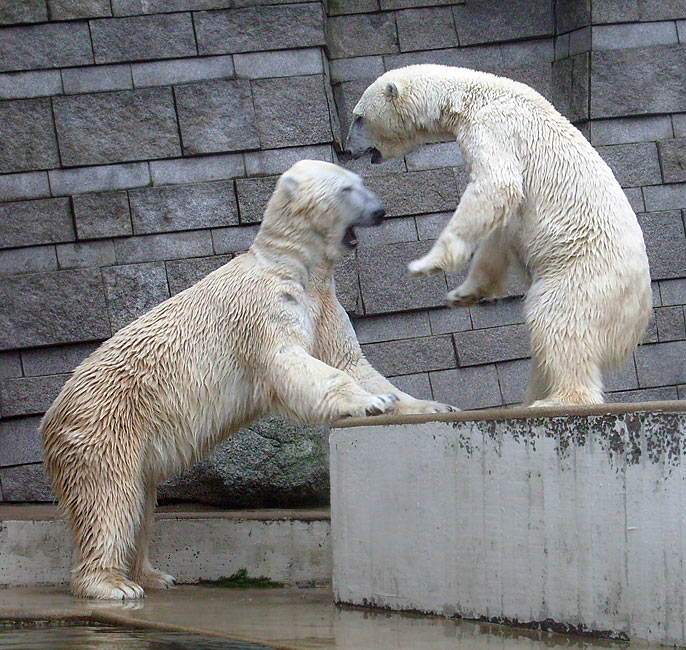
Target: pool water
<point x="89" y="636"/>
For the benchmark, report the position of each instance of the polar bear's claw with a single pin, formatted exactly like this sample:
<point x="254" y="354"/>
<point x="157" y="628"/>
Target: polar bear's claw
<point x="107" y="587"/>
<point x="381" y="403"/>
<point x="154" y="579"/>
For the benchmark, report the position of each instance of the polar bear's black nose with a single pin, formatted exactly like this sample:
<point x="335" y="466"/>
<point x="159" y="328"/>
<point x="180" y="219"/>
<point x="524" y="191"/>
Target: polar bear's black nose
<point x="378" y="215"/>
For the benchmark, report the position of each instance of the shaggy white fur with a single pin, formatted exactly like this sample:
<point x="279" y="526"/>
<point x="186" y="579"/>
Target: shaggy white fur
<point x="264" y="333"/>
<point x="539" y="196"/>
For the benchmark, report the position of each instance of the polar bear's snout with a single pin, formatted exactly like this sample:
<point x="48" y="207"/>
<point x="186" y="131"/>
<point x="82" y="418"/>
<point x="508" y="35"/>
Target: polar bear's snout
<point x="358" y="143"/>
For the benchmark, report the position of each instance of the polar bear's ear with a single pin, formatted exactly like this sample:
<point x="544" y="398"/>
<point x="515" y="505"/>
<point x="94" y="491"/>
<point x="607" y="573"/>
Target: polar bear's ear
<point x="289" y="184"/>
<point x="391" y="90"/>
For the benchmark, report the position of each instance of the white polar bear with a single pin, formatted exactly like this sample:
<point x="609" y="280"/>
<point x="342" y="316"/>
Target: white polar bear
<point x="264" y="333"/>
<point x="539" y="195"/>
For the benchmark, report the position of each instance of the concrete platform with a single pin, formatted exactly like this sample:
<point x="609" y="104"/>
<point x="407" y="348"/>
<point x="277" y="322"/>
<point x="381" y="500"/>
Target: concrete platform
<point x="288" y="619"/>
<point x="568" y="519"/>
<point x="189" y="541"/>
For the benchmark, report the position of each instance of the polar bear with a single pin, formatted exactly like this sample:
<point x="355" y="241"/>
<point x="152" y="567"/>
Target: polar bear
<point x="263" y="333"/>
<point x="539" y="196"/>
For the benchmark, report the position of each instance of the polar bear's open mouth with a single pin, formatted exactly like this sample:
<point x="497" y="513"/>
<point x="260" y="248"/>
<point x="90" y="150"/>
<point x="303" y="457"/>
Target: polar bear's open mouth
<point x="376" y="156"/>
<point x="350" y="238"/>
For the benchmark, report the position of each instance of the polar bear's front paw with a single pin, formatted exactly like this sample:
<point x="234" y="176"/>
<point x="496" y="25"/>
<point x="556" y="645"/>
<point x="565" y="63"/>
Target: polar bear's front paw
<point x="106" y="586"/>
<point x="426" y="265"/>
<point x="379" y="404"/>
<point x="151" y="578"/>
<point x="424" y="406"/>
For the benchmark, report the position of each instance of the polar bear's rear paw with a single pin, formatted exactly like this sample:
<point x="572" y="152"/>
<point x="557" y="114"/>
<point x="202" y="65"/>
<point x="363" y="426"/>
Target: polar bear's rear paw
<point x="381" y="403"/>
<point x="106" y="586"/>
<point x="426" y="265"/>
<point x="466" y="297"/>
<point x="423" y="406"/>
<point x="153" y="579"/>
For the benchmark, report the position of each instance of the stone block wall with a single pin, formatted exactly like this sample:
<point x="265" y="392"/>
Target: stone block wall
<point x="140" y="140"/>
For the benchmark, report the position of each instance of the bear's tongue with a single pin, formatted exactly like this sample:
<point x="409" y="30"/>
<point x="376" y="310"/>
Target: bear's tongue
<point x="349" y="238"/>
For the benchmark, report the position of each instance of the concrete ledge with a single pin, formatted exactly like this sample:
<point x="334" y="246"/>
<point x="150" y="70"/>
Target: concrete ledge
<point x="571" y="520"/>
<point x="289" y="546"/>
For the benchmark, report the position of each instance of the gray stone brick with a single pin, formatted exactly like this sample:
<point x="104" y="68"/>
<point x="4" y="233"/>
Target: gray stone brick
<point x="673" y="292"/>
<point x="42" y="221"/>
<point x="197" y="170"/>
<point x="98" y="179"/>
<point x="22" y="11"/>
<point x="27" y="260"/>
<point x="446" y="321"/>
<point x="182" y="274"/>
<point x="183" y="207"/>
<point x="665" y="197"/>
<point x="70" y="10"/>
<point x="289" y="63"/>
<point x="417" y="385"/>
<point x="666" y="393"/>
<point x="407" y="4"/>
<point x="415" y="192"/>
<point x="54" y="45"/>
<point x="107" y="127"/>
<point x="430" y="28"/>
<point x="492" y="344"/>
<point x="681" y="29"/>
<point x="429" y="226"/>
<point x="623" y="378"/>
<point x="280" y="105"/>
<point x="39" y="83"/>
<point x="173" y="245"/>
<point x="570" y="86"/>
<point x="561" y="47"/>
<point x="670" y="323"/>
<point x="135" y="7"/>
<point x="363" y="67"/>
<point x="10" y="365"/>
<point x="29" y="395"/>
<point x="52" y="308"/>
<point x="635" y="197"/>
<point x="393" y="327"/>
<point x="631" y="129"/>
<point x="94" y="79"/>
<point x="260" y="28"/>
<point x="33" y="185"/>
<point x="500" y="312"/>
<point x="233" y="240"/>
<point x="673" y="159"/>
<point x="386" y="284"/>
<point x="391" y="231"/>
<point x="102" y="214"/>
<point x="665" y="243"/>
<point x="628" y="35"/>
<point x="572" y="14"/>
<point x="85" y="254"/>
<point x="347" y="94"/>
<point x="681" y="391"/>
<point x="579" y="41"/>
<point x="467" y="388"/>
<point x="216" y="115"/>
<point x="661" y="364"/>
<point x="164" y="73"/>
<point x="277" y="161"/>
<point x="362" y="35"/>
<point x="55" y="360"/>
<point x="623" y="11"/>
<point x="347" y="283"/>
<point x="132" y="290"/>
<point x="513" y="377"/>
<point x="407" y="356"/>
<point x="620" y="78"/>
<point x="342" y="7"/>
<point x="27" y="135"/>
<point x="679" y="124"/>
<point x="655" y="290"/>
<point x="482" y="21"/>
<point x="433" y="156"/>
<point x="164" y="36"/>
<point x="25" y="483"/>
<point x="19" y="441"/>
<point x="633" y="164"/>
<point x="253" y="194"/>
<point x="650" y="335"/>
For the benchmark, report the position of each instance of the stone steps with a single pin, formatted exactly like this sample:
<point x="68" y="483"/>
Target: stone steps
<point x="191" y="542"/>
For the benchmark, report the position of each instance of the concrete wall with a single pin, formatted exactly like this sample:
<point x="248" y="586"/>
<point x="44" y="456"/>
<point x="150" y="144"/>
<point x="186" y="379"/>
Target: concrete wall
<point x="139" y="142"/>
<point x="568" y="523"/>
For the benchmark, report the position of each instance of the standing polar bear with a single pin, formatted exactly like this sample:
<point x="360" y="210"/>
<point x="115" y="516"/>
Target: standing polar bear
<point x="539" y="195"/>
<point x="263" y="333"/>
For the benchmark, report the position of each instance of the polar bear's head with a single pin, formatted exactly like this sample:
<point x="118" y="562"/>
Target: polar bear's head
<point x="317" y="205"/>
<point x="395" y="114"/>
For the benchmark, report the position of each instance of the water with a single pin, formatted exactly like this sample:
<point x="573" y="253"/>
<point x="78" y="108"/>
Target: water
<point x="88" y="636"/>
